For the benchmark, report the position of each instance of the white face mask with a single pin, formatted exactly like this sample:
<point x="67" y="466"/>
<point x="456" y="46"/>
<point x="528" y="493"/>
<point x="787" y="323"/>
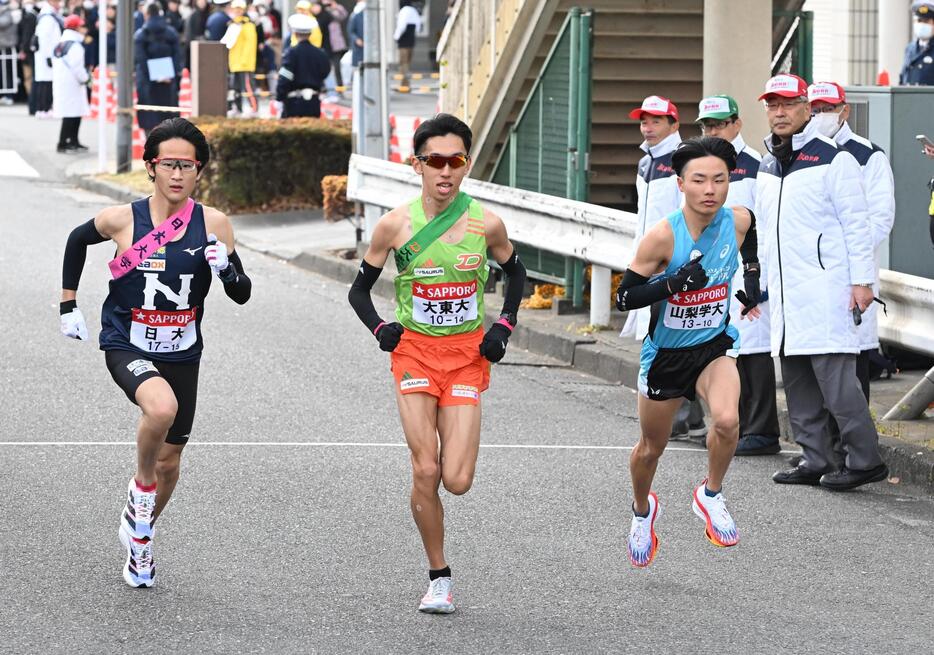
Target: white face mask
<point x="827" y="123"/>
<point x="923" y="31"/>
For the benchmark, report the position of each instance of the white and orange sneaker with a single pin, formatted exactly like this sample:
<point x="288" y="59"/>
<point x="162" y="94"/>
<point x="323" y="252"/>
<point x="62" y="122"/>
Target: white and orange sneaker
<point x="439" y="599"/>
<point x="643" y="542"/>
<point x="137" y="516"/>
<point x="140" y="567"/>
<point x="719" y="525"/>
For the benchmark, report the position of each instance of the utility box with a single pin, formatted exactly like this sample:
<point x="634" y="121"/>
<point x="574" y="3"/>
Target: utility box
<point x="208" y="78"/>
<point x="891" y="117"/>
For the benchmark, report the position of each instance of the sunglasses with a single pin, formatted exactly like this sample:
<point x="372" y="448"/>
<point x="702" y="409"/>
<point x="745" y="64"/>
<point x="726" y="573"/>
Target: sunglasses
<point x="440" y="161"/>
<point x="184" y="165"/>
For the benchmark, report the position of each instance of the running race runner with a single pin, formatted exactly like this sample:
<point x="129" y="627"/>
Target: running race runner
<point x="166" y="253"/>
<point x="440" y="354"/>
<point x="683" y="269"/>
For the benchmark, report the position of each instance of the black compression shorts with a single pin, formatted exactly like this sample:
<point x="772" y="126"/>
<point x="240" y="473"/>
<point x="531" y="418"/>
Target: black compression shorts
<point x="129" y="370"/>
<point x="673" y="372"/>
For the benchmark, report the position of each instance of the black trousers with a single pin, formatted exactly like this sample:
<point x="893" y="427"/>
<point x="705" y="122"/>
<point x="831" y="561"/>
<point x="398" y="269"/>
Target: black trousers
<point x="68" y="136"/>
<point x="758" y="413"/>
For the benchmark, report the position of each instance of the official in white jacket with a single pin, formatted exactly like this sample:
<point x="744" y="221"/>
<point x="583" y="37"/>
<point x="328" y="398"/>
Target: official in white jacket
<point x="812" y="208"/>
<point x="69" y="81"/>
<point x="49" y="27"/>
<point x="758" y="413"/>
<point x="830" y="113"/>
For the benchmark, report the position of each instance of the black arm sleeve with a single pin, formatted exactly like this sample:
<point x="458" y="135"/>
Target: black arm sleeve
<point x="749" y="249"/>
<point x="635" y="291"/>
<point x="238" y="287"/>
<point x="515" y="285"/>
<point x="76" y="251"/>
<point x="359" y="296"/>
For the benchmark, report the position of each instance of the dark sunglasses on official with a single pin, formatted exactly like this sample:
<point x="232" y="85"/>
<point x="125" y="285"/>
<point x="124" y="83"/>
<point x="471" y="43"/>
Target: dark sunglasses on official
<point x="184" y="165"/>
<point x="440" y="161"/>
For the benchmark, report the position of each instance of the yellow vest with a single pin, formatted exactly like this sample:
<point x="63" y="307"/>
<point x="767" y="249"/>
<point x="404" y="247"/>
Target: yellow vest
<point x="242" y="57"/>
<point x="315" y="38"/>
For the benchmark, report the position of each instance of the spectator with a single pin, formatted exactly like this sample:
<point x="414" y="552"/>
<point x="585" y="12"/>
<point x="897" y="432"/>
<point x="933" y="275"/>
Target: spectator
<point x="49" y="25"/>
<point x="70" y="79"/>
<point x="758" y="413"/>
<point x="408" y="22"/>
<point x="316" y="37"/>
<point x="241" y="55"/>
<point x="266" y="30"/>
<point x="174" y="17"/>
<point x="337" y="40"/>
<point x="9" y="80"/>
<point x="27" y="56"/>
<point x="89" y="12"/>
<point x="918" y="67"/>
<point x="820" y="269"/>
<point x="195" y="26"/>
<point x="139" y="16"/>
<point x="158" y="59"/>
<point x="304" y="69"/>
<point x="216" y="25"/>
<point x="355" y="31"/>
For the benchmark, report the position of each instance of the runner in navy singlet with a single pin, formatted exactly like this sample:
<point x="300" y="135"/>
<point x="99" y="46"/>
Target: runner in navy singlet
<point x="683" y="269"/>
<point x="167" y="250"/>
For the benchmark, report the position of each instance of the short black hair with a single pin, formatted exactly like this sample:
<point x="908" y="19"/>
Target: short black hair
<point x="703" y="146"/>
<point x="153" y="9"/>
<point x="177" y="128"/>
<point x="440" y="125"/>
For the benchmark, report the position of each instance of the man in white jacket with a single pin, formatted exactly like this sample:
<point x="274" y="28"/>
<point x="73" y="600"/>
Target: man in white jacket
<point x="69" y="83"/>
<point x="818" y="240"/>
<point x="49" y="26"/>
<point x="830" y="113"/>
<point x="758" y="413"/>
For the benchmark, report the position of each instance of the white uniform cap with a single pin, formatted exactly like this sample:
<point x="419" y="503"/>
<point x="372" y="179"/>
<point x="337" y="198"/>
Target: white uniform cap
<point x="302" y="23"/>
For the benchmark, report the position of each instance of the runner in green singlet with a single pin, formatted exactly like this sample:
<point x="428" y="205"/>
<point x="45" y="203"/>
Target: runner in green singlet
<point x="440" y="353"/>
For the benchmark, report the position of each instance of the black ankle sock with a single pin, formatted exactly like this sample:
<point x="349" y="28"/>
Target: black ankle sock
<point x="434" y="574"/>
<point x="641" y="516"/>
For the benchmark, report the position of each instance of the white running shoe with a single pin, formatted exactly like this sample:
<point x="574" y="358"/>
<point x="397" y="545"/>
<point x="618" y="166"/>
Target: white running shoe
<point x="137" y="515"/>
<point x="719" y="525"/>
<point x="643" y="542"/>
<point x="140" y="567"/>
<point x="439" y="598"/>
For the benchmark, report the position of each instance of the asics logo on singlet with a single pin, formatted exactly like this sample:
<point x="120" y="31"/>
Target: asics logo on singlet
<point x="724" y="251"/>
<point x="192" y="251"/>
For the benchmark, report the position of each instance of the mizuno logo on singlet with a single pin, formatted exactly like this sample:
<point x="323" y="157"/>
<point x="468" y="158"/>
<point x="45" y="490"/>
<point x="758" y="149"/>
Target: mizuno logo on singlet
<point x="192" y="251"/>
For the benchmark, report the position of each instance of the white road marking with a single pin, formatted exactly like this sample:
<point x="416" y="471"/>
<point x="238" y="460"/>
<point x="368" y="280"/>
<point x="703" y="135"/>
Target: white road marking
<point x="13" y="165"/>
<point x="356" y="444"/>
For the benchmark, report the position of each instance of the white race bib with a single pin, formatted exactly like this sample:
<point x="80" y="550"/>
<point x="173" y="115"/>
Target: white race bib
<point x="445" y="303"/>
<point x="697" y="310"/>
<point x="160" y="332"/>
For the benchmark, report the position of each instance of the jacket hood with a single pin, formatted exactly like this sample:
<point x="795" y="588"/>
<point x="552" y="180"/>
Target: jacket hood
<point x="156" y="25"/>
<point x="72" y="35"/>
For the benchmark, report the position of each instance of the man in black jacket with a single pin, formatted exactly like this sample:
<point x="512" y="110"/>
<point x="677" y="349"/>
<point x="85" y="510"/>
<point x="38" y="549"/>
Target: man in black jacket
<point x="304" y="69"/>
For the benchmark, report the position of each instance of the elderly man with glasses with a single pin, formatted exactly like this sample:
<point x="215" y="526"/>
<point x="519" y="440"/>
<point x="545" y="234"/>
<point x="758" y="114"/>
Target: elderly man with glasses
<point x="818" y="238"/>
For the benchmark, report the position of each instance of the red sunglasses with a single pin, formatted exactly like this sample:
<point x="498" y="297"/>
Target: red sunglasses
<point x="440" y="161"/>
<point x="168" y="164"/>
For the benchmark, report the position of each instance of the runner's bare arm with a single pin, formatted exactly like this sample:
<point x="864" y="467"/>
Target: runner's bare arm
<point x="217" y="223"/>
<point x="497" y="240"/>
<point x="742" y="222"/>
<point x="654" y="250"/>
<point x="637" y="289"/>
<point x="385" y="236"/>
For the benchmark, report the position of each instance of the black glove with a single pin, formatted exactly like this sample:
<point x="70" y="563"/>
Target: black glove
<point x="493" y="346"/>
<point x="48" y="62"/>
<point x="388" y="336"/>
<point x="752" y="295"/>
<point x="689" y="277"/>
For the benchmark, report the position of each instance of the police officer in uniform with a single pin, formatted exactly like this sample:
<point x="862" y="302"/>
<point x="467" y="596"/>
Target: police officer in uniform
<point x="304" y="69"/>
<point x="918" y="67"/>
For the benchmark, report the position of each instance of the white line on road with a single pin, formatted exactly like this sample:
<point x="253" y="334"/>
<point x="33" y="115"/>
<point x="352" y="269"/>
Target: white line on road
<point x="13" y="165"/>
<point x="356" y="444"/>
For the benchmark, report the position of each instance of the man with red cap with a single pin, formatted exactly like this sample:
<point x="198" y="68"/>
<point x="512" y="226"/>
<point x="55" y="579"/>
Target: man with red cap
<point x="810" y="202"/>
<point x="658" y="196"/>
<point x="830" y="112"/>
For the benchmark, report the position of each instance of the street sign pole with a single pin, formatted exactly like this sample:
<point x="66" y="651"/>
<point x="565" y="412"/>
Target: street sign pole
<point x="125" y="10"/>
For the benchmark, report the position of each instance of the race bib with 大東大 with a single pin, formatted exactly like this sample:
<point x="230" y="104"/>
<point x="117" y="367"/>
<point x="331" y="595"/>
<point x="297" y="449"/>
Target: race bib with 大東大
<point x="445" y="303"/>
<point x="697" y="310"/>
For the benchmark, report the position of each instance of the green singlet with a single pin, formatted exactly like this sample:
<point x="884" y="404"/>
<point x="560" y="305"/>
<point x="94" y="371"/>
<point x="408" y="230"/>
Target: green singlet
<point x="440" y="291"/>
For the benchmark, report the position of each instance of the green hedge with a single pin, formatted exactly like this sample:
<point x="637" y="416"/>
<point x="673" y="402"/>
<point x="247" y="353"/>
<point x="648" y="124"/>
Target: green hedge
<point x="271" y="164"/>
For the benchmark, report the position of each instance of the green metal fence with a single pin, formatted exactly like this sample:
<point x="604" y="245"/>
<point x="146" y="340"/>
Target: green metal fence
<point x="548" y="147"/>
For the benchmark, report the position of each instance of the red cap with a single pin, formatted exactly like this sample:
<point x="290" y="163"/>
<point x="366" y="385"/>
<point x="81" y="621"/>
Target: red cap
<point x="656" y="106"/>
<point x="73" y="22"/>
<point x="829" y="92"/>
<point x="785" y="85"/>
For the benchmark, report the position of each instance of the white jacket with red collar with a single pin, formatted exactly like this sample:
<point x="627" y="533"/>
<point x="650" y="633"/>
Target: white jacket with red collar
<point x="880" y="200"/>
<point x="818" y="242"/>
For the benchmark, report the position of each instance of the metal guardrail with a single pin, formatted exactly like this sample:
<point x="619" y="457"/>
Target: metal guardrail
<point x="604" y="237"/>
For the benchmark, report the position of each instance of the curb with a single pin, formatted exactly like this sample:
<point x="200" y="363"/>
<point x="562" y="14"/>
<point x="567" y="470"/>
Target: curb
<point x="914" y="464"/>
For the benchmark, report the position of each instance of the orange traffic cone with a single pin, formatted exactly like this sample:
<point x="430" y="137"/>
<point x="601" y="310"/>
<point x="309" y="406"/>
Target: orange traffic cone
<point x="883" y="78"/>
<point x="139" y="138"/>
<point x="184" y="93"/>
<point x="95" y="83"/>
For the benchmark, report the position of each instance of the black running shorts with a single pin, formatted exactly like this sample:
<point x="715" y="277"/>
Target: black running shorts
<point x="129" y="370"/>
<point x="673" y="372"/>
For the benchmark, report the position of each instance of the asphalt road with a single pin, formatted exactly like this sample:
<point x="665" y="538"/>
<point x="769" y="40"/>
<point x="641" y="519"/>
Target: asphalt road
<point x="290" y="529"/>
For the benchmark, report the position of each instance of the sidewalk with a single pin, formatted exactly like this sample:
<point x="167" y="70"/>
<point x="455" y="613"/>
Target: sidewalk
<point x="305" y="239"/>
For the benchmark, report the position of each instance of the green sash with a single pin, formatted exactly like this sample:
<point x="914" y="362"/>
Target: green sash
<point x="432" y="230"/>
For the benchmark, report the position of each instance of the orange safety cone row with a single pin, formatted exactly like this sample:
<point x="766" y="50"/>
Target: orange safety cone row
<point x="184" y="93"/>
<point x="95" y="91"/>
<point x="139" y="141"/>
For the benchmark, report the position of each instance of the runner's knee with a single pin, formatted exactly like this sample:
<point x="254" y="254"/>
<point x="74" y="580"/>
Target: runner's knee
<point x="649" y="450"/>
<point x="425" y="473"/>
<point x="161" y="410"/>
<point x="458" y="484"/>
<point x="726" y="422"/>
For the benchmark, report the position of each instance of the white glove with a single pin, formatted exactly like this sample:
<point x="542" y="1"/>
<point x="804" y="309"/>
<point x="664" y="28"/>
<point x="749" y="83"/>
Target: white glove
<point x="216" y="254"/>
<point x="73" y="325"/>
